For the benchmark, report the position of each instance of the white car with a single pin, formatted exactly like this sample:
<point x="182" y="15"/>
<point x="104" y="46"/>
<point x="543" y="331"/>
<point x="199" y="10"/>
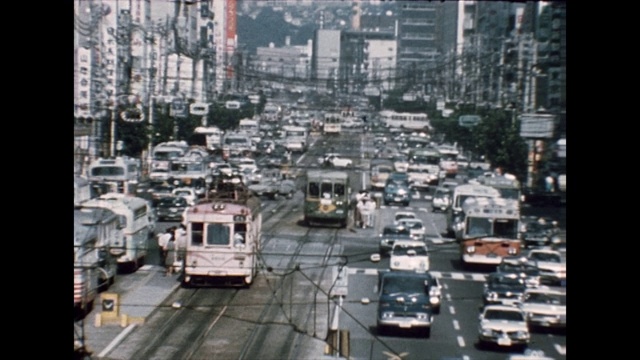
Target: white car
<point x="415" y="226"/>
<point x="504" y="326"/>
<point x="401" y="163"/>
<point x="335" y="160"/>
<point x="186" y="192"/>
<point x="550" y="263"/>
<point x="399" y="215"/>
<point x="409" y="255"/>
<point x="545" y="307"/>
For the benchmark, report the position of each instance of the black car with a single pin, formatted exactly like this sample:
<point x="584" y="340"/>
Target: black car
<point x="524" y="270"/>
<point x="406" y="300"/>
<point x="396" y="192"/>
<point x="391" y="233"/>
<point x="170" y="208"/>
<point x="500" y="288"/>
<point x="540" y="233"/>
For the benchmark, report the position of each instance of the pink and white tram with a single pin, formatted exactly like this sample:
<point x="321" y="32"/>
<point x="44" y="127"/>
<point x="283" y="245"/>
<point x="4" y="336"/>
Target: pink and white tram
<point x="223" y="241"/>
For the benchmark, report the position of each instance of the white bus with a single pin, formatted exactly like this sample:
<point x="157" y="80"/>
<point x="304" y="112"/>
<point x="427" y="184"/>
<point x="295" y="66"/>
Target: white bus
<point x="460" y="194"/>
<point x="296" y="138"/>
<point x="405" y="120"/>
<point x="118" y="174"/>
<point x="94" y="267"/>
<point x="162" y="155"/>
<point x="137" y="218"/>
<point x="213" y="136"/>
<point x="489" y="230"/>
<point x="332" y="124"/>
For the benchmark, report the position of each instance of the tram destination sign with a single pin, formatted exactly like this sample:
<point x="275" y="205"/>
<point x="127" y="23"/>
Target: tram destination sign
<point x="537" y="126"/>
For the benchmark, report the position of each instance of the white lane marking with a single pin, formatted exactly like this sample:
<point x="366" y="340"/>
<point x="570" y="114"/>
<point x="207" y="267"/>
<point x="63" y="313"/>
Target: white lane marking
<point x="452" y="310"/>
<point x="466" y="357"/>
<point x="457" y="276"/>
<point x="117" y="340"/>
<point x="561" y="349"/>
<point x="456" y="325"/>
<point x="461" y="341"/>
<point x="448" y="296"/>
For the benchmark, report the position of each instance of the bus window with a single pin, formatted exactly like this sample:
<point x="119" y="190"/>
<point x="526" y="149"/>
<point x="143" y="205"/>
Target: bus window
<point x="479" y="226"/>
<point x="196" y="233"/>
<point x="314" y="189"/>
<point x="239" y="234"/>
<point x="217" y="234"/>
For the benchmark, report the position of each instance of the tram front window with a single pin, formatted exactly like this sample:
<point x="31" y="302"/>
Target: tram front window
<point x="217" y="234"/>
<point x="339" y="190"/>
<point x="326" y="190"/>
<point x="314" y="189"/>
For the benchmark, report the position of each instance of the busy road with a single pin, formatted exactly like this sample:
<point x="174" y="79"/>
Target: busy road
<point x="293" y="302"/>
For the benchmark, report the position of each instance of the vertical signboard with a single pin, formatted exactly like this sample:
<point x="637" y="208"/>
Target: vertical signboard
<point x="230" y="35"/>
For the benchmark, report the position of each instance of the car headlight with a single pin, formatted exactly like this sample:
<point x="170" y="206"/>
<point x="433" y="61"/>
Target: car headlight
<point x="522" y="334"/>
<point x="512" y="251"/>
<point x="387" y="315"/>
<point x="492" y="295"/>
<point x="471" y="249"/>
<point x="422" y="316"/>
<point x="486" y="332"/>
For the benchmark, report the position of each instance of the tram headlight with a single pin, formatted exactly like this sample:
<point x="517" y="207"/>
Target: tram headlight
<point x="471" y="249"/>
<point x="512" y="251"/>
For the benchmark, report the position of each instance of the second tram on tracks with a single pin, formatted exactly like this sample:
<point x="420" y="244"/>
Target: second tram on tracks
<point x="223" y="238"/>
<point x="327" y="198"/>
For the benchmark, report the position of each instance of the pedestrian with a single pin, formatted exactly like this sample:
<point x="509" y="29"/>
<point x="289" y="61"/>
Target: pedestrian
<point x="170" y="256"/>
<point x="357" y="216"/>
<point x="163" y="239"/>
<point x="549" y="182"/>
<point x="370" y="208"/>
<point x="181" y="244"/>
<point x="365" y="212"/>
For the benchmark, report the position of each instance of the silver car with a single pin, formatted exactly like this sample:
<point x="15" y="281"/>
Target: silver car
<point x="545" y="307"/>
<point x="504" y="326"/>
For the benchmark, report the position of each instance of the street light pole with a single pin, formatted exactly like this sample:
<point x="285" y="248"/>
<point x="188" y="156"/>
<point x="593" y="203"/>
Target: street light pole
<point x="112" y="137"/>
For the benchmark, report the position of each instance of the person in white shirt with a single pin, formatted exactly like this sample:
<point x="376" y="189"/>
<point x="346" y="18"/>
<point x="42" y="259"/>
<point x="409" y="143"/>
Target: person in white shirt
<point x="163" y="240"/>
<point x="181" y="242"/>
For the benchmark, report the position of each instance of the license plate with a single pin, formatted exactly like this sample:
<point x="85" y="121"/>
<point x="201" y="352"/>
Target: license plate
<point x="405" y="326"/>
<point x="504" y="341"/>
<point x="398" y="199"/>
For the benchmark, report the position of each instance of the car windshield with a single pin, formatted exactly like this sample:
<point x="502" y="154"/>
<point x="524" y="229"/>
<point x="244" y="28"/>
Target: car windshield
<point x="171" y="202"/>
<point x="514" y="268"/>
<point x="503" y="315"/>
<point x="543" y="298"/>
<point x="403" y="285"/>
<point x="505" y="281"/>
<point x="402" y="250"/>
<point x="396" y="231"/>
<point x="546" y="257"/>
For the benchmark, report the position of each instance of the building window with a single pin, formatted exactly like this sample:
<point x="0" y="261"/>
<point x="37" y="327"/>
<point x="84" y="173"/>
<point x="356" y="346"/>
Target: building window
<point x="83" y="94"/>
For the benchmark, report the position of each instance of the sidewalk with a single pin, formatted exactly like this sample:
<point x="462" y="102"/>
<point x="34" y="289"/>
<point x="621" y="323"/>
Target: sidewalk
<point x="138" y="295"/>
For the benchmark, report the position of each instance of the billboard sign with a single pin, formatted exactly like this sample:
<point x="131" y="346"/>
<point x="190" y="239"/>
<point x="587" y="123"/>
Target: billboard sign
<point x="537" y="126"/>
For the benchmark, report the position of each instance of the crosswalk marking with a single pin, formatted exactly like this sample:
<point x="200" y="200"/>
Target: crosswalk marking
<point x="438" y="274"/>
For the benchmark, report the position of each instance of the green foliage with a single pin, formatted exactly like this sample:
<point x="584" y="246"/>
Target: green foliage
<point x="496" y="137"/>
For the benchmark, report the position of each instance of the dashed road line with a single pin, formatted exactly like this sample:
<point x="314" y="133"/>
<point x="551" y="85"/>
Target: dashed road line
<point x="461" y="341"/>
